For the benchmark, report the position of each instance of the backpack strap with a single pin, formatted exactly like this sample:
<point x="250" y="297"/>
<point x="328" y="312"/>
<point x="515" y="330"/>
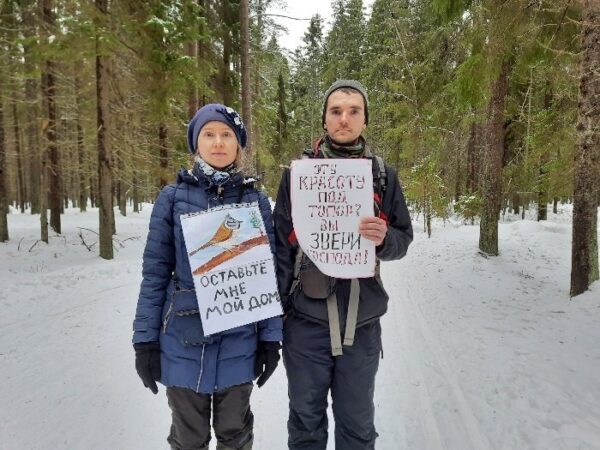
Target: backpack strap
<point x="382" y="173"/>
<point x="297" y="264"/>
<point x="379" y="186"/>
<point x="333" y="317"/>
<point x="352" y="316"/>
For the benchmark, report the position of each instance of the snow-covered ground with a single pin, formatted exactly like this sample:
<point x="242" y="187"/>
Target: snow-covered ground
<point x="479" y="353"/>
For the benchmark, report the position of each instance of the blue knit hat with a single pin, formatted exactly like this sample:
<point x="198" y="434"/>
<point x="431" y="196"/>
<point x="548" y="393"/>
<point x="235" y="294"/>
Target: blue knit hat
<point x="219" y="113"/>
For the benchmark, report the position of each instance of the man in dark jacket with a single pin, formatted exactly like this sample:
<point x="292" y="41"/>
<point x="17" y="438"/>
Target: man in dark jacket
<point x="310" y="328"/>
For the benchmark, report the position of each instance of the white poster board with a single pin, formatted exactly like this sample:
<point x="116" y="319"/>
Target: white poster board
<point x="232" y="266"/>
<point x="329" y="196"/>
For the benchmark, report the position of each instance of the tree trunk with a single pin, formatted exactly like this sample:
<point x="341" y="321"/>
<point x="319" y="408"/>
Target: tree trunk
<point x="544" y="159"/>
<point x="44" y="185"/>
<point x="136" y="194"/>
<point x="515" y="203"/>
<point x="122" y="199"/>
<point x="491" y="185"/>
<point x="542" y="203"/>
<point x="584" y="263"/>
<point x="33" y="113"/>
<point x="3" y="192"/>
<point x="118" y="164"/>
<point x="21" y="194"/>
<point x="192" y="51"/>
<point x="474" y="157"/>
<point x="226" y="85"/>
<point x="555" y="205"/>
<point x="281" y="117"/>
<point x="93" y="190"/>
<point x="52" y="162"/>
<point x="103" y="74"/>
<point x="121" y="185"/>
<point x="245" y="62"/>
<point x="428" y="221"/>
<point x="52" y="165"/>
<point x="80" y="148"/>
<point x="163" y="154"/>
<point x="66" y="156"/>
<point x="458" y="167"/>
<point x="201" y="54"/>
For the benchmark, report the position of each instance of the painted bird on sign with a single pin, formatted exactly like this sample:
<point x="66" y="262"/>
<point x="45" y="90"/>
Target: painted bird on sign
<point x="224" y="233"/>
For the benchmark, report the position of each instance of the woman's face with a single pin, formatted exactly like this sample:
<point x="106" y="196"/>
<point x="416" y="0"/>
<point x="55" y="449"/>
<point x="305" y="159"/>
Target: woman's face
<point x="217" y="144"/>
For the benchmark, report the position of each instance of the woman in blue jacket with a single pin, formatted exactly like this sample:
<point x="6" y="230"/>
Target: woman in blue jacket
<point x="170" y="346"/>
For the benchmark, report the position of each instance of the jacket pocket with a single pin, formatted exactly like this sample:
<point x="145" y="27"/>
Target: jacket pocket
<point x="188" y="329"/>
<point x="182" y="318"/>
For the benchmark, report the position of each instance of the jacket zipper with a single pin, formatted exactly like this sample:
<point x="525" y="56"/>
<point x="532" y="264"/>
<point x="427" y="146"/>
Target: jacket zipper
<point x="167" y="316"/>
<point x="201" y="369"/>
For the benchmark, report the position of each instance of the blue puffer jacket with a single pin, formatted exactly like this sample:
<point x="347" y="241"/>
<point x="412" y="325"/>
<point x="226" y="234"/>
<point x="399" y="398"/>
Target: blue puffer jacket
<point x="167" y="309"/>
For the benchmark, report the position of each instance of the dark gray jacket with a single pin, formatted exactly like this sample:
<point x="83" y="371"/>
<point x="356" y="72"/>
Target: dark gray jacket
<point x="373" y="298"/>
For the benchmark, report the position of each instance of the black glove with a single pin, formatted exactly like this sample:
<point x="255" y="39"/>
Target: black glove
<point x="147" y="363"/>
<point x="267" y="358"/>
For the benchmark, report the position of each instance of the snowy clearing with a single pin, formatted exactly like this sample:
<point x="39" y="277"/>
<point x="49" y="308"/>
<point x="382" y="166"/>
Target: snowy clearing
<point x="479" y="353"/>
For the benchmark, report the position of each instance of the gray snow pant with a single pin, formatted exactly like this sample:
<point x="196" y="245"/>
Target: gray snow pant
<point x="232" y="419"/>
<point x="312" y="371"/>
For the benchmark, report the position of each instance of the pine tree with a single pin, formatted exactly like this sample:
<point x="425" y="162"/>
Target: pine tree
<point x="53" y="168"/>
<point x="32" y="90"/>
<point x="344" y="43"/>
<point x="282" y="118"/>
<point x="491" y="186"/>
<point x="307" y="85"/>
<point x="584" y="266"/>
<point x="103" y="74"/>
<point x="3" y="193"/>
<point x="81" y="170"/>
<point x="410" y="121"/>
<point x="245" y="68"/>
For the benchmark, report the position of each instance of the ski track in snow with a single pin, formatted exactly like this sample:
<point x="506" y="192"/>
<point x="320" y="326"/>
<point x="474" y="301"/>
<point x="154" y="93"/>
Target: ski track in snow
<point x="421" y="355"/>
<point x="469" y="434"/>
<point x="479" y="353"/>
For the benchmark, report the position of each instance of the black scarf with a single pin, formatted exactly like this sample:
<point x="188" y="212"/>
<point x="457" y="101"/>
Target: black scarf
<point x="331" y="149"/>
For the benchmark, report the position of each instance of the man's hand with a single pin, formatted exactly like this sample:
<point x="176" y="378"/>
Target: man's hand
<point x="373" y="229"/>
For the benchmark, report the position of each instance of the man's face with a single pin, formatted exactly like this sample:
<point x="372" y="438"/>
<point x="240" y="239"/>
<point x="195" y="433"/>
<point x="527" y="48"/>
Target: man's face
<point x="345" y="116"/>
